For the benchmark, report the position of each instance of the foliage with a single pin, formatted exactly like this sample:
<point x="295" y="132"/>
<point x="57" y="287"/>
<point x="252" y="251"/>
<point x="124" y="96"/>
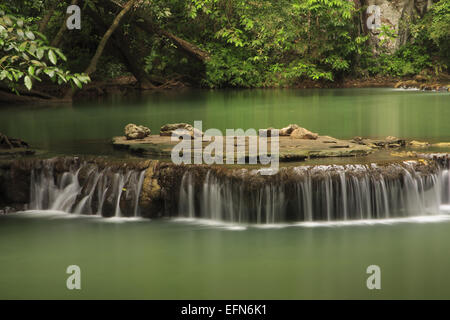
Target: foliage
<point x="27" y="57"/>
<point x="250" y="43"/>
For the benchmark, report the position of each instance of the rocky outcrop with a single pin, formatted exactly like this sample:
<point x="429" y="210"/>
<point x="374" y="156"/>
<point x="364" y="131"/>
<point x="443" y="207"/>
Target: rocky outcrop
<point x="133" y="131"/>
<point x="302" y="133"/>
<point x="388" y="142"/>
<point x="421" y="85"/>
<point x="10" y="147"/>
<point x="418" y="144"/>
<point x="286" y="131"/>
<point x="395" y="15"/>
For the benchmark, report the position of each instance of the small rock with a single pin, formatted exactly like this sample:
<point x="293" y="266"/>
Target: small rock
<point x="302" y="133"/>
<point x="442" y="145"/>
<point x="418" y="144"/>
<point x="391" y="138"/>
<point x="133" y="131"/>
<point x="288" y="130"/>
<point x="169" y="129"/>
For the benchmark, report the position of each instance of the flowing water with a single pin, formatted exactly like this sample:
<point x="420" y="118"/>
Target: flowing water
<point x="310" y="236"/>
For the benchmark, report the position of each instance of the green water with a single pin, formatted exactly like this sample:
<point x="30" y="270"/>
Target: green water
<point x="178" y="260"/>
<point x="86" y="127"/>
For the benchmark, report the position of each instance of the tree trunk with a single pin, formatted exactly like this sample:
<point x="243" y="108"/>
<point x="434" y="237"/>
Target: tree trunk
<point x="101" y="46"/>
<point x="57" y="40"/>
<point x="123" y="46"/>
<point x="44" y="22"/>
<point x="182" y="44"/>
<point x="404" y="23"/>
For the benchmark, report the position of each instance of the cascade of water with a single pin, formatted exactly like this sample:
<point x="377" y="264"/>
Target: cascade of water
<point x="121" y="180"/>
<point x="186" y="199"/>
<point x="140" y="182"/>
<point x="327" y="193"/>
<point x="102" y="190"/>
<point x="84" y="190"/>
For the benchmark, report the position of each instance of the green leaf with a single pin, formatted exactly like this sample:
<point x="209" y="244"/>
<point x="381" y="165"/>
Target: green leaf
<point x="77" y="82"/>
<point x="39" y="53"/>
<point x="28" y="83"/>
<point x="52" y="57"/>
<point x="23" y="46"/>
<point x="49" y="72"/>
<point x="60" y="54"/>
<point x="31" y="70"/>
<point x="30" y="35"/>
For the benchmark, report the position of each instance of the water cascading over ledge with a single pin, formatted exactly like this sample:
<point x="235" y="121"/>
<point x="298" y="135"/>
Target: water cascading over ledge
<point x="84" y="188"/>
<point x="317" y="193"/>
<point x="156" y="189"/>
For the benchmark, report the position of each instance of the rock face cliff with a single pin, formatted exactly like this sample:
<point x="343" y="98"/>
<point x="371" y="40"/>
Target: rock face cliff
<point x="393" y="15"/>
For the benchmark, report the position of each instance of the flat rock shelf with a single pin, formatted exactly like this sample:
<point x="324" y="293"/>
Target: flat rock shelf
<point x="290" y="149"/>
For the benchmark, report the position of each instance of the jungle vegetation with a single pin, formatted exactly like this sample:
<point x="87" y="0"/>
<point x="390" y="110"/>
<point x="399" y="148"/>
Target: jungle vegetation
<point x="215" y="43"/>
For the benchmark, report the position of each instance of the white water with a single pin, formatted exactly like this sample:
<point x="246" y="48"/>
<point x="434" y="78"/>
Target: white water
<point x="319" y="193"/>
<point x="50" y="191"/>
<point x="314" y="194"/>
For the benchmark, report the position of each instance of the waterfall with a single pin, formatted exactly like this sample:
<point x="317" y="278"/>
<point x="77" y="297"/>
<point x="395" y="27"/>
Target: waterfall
<point x="84" y="189"/>
<point x="316" y="193"/>
<point x="294" y="194"/>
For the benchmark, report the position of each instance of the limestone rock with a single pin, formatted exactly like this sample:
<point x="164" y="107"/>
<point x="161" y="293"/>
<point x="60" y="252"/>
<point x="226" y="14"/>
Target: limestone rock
<point x="302" y="133"/>
<point x="442" y="145"/>
<point x="169" y="129"/>
<point x="133" y="131"/>
<point x="288" y="130"/>
<point x="418" y="144"/>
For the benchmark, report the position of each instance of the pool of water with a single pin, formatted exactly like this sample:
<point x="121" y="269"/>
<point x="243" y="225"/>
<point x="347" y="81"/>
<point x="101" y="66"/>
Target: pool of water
<point x="123" y="258"/>
<point x="87" y="127"/>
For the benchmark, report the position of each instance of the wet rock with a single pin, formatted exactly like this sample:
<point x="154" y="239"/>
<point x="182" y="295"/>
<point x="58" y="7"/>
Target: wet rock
<point x="408" y="84"/>
<point x="302" y="133"/>
<point x="133" y="131"/>
<point x="418" y="144"/>
<point x="442" y="145"/>
<point x="286" y="131"/>
<point x="169" y="129"/>
<point x="404" y="154"/>
<point x="150" y="199"/>
<point x="11" y="143"/>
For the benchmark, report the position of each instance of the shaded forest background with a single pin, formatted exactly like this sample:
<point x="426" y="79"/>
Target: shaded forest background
<point x="218" y="43"/>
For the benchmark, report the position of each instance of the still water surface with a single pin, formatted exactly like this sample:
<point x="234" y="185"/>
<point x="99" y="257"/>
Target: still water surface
<point x="182" y="260"/>
<point x="343" y="113"/>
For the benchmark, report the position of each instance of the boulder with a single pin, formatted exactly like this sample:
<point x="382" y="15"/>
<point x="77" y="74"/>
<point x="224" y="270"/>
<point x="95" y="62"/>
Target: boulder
<point x="11" y="143"/>
<point x="169" y="129"/>
<point x="302" y="133"/>
<point x="288" y="130"/>
<point x="133" y="131"/>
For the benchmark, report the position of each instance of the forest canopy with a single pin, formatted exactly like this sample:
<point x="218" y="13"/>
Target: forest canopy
<point x="219" y="43"/>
